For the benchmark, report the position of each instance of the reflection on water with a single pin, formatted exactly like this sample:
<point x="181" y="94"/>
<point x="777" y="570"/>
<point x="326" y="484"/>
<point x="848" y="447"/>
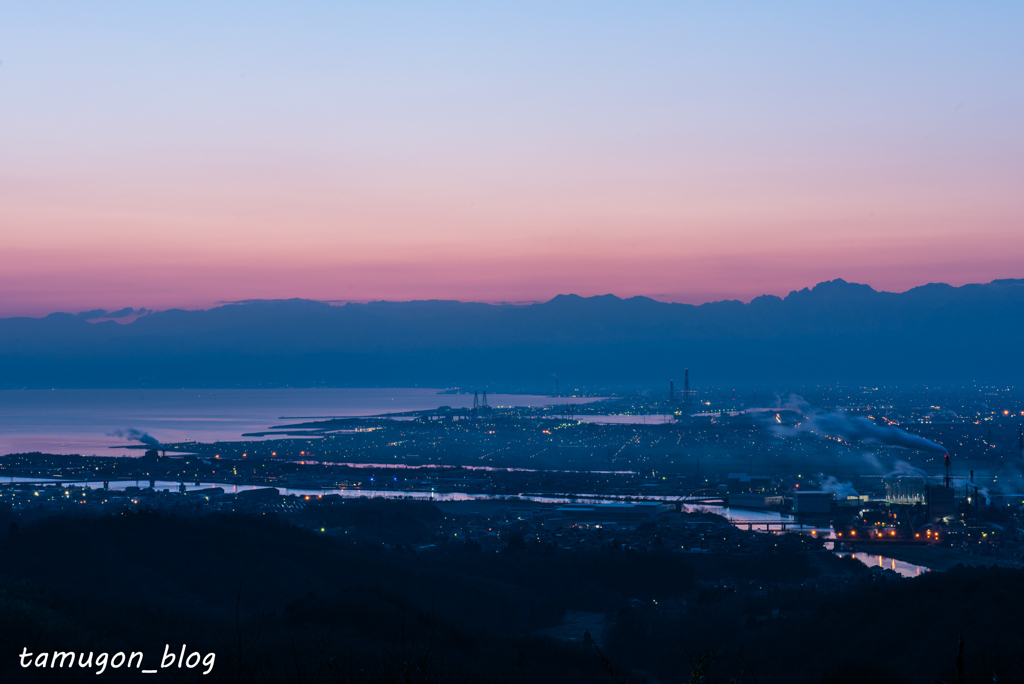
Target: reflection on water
<point x="770" y="521"/>
<point x="760" y="521"/>
<point x="347" y="492"/>
<point x="873" y="560"/>
<point x="764" y="521"/>
<point x="87" y="421"/>
<point x="442" y="466"/>
<point x="174" y="486"/>
<point x="653" y="419"/>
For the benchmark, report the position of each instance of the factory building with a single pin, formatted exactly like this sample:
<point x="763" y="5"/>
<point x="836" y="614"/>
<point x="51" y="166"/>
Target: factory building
<point x="812" y="503"/>
<point x="741" y="483"/>
<point x="755" y="501"/>
<point x="905" y="490"/>
<point x="941" y="503"/>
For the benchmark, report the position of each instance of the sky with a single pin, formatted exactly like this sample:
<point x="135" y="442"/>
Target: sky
<point x="181" y="154"/>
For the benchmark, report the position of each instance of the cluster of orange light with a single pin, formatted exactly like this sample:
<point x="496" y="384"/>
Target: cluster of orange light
<point x="881" y="533"/>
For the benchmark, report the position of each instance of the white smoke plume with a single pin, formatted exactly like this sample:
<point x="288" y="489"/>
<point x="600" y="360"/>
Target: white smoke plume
<point x="136" y="436"/>
<point x="854" y="429"/>
<point x="841" y="490"/>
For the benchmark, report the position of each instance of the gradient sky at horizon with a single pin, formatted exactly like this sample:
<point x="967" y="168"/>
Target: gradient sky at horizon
<point x="179" y="154"/>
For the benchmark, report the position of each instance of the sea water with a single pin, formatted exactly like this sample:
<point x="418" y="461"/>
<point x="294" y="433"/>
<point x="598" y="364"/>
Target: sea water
<point x="90" y="422"/>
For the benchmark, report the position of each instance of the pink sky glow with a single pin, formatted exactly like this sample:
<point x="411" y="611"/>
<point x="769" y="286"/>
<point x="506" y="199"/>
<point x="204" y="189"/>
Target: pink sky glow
<point x="150" y="159"/>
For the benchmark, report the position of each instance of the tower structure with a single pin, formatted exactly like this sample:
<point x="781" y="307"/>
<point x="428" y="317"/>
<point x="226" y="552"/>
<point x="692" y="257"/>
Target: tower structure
<point x="671" y="390"/>
<point x="476" y="400"/>
<point x="686" y="386"/>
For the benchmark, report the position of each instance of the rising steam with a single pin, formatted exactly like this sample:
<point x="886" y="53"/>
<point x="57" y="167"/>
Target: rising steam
<point x="137" y="436"/>
<point x="853" y="429"/>
<point x="841" y="490"/>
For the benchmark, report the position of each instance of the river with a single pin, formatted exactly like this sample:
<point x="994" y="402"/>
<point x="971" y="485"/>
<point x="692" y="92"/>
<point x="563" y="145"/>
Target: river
<point x="762" y="521"/>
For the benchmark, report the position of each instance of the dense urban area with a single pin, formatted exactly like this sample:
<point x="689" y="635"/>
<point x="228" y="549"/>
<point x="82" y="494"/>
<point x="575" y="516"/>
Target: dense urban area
<point x="672" y="536"/>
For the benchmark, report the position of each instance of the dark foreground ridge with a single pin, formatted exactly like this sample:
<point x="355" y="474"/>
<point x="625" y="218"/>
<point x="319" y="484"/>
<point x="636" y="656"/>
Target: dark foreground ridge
<point x="322" y="596"/>
<point x="835" y="332"/>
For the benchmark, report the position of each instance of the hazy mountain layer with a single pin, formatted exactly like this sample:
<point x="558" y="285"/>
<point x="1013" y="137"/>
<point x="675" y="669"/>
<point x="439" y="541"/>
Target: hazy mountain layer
<point x="835" y="332"/>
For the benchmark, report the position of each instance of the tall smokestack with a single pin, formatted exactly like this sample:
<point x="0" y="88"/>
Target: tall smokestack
<point x="947" y="471"/>
<point x="686" y="386"/>
<point x="671" y="390"/>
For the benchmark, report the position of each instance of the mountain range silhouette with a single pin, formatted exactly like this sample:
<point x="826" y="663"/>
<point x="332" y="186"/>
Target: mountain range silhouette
<point x="835" y="332"/>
